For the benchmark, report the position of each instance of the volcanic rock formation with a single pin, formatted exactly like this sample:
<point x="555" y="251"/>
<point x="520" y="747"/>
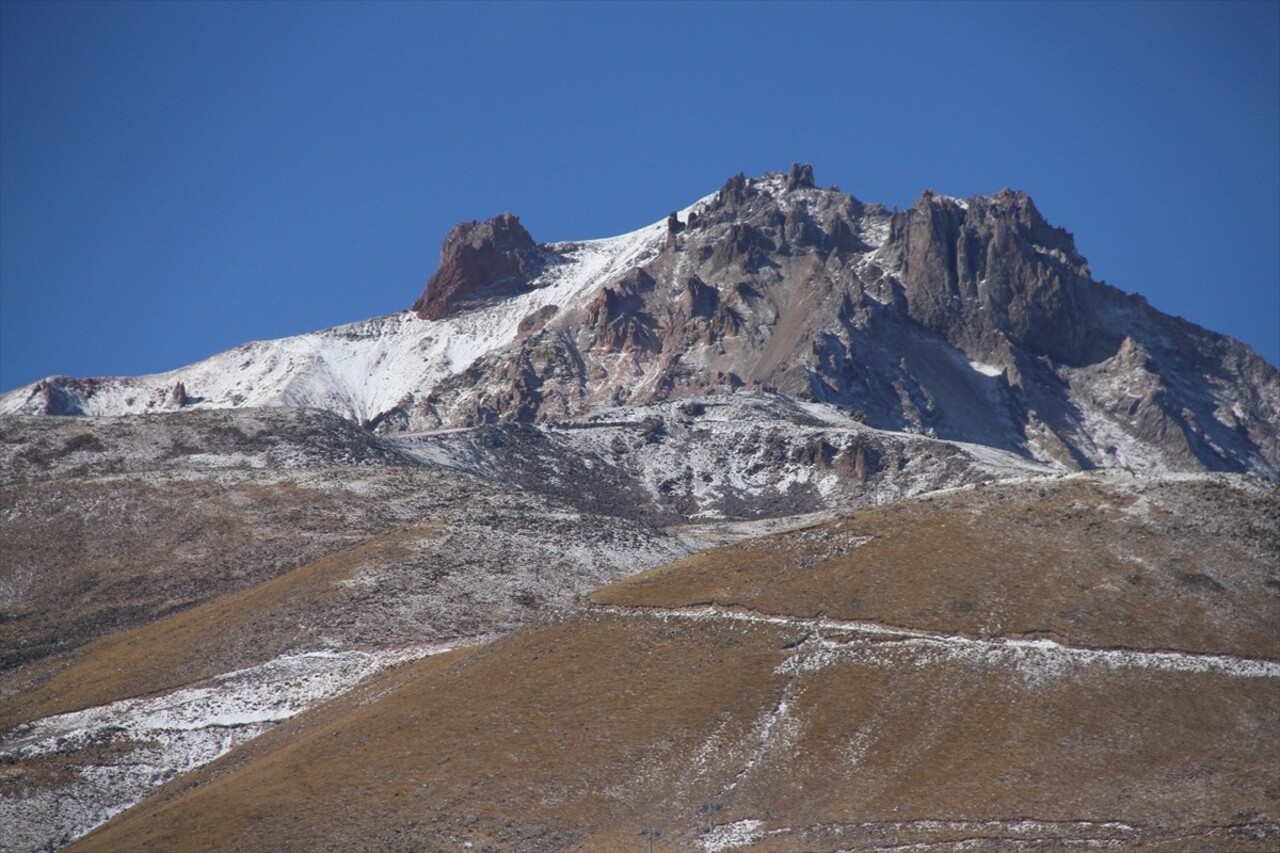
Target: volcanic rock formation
<point x="970" y="320"/>
<point x="480" y="260"/>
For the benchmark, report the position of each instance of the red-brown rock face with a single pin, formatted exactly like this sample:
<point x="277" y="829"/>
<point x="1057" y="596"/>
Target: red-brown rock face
<point x="480" y="260"/>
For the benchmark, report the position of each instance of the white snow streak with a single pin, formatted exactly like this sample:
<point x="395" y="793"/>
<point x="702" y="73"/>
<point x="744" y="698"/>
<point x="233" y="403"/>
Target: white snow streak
<point x="728" y="836"/>
<point x="163" y="737"/>
<point x="865" y="640"/>
<point x="986" y="369"/>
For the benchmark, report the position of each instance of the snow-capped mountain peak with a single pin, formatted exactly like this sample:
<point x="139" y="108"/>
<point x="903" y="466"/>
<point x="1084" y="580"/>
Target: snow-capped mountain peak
<point x="973" y="321"/>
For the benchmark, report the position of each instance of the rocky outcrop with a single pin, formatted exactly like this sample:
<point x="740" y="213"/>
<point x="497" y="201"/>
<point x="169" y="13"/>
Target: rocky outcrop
<point x="57" y="395"/>
<point x="992" y="268"/>
<point x="537" y="320"/>
<point x="972" y="320"/>
<point x="618" y="316"/>
<point x="699" y="299"/>
<point x="480" y="261"/>
<point x="800" y="177"/>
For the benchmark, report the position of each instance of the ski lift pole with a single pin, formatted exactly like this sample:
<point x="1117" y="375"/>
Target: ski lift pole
<point x="651" y="833"/>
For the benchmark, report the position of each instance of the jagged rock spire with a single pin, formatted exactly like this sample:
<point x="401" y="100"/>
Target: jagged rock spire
<point x="800" y="177"/>
<point x="489" y="258"/>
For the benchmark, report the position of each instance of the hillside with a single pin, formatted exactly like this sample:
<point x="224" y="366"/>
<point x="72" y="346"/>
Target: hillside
<point x="1023" y="694"/>
<point x="180" y="582"/>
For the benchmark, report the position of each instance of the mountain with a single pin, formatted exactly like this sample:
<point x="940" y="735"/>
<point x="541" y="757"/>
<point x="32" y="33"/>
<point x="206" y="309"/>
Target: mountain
<point x="786" y="522"/>
<point x="969" y="320"/>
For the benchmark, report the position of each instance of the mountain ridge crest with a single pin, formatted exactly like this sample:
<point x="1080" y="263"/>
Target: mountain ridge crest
<point x="969" y="319"/>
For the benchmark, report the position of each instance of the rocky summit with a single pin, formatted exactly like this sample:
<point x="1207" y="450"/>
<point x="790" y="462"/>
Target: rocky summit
<point x="970" y="320"/>
<point x="785" y="522"/>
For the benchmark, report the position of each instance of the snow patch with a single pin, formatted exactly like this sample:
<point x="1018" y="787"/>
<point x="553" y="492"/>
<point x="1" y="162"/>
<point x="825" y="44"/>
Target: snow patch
<point x="153" y="739"/>
<point x="864" y="642"/>
<point x="729" y="836"/>
<point x="987" y="369"/>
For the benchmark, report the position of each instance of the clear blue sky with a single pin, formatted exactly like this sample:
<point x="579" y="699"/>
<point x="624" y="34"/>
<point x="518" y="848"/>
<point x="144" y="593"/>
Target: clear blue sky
<point x="176" y="178"/>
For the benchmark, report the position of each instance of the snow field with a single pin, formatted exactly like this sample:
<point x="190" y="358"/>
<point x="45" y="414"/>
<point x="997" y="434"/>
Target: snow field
<point x="362" y="369"/>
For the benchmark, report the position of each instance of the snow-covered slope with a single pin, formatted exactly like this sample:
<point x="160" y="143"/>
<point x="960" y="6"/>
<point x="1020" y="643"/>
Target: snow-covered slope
<point x="359" y="370"/>
<point x="115" y="754"/>
<point x="749" y="455"/>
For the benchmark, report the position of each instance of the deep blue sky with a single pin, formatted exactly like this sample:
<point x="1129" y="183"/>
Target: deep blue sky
<point x="176" y="179"/>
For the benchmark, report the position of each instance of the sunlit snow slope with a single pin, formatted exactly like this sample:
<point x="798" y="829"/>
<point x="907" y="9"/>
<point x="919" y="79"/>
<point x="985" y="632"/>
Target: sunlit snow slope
<point x="358" y="370"/>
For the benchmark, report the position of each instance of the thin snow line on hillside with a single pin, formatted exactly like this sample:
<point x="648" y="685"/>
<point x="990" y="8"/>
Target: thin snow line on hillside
<point x="1015" y="826"/>
<point x="747" y="831"/>
<point x="818" y="652"/>
<point x="774" y="719"/>
<point x="985" y="842"/>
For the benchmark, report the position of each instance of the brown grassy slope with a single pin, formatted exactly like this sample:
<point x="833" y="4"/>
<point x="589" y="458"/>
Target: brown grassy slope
<point x="488" y="742"/>
<point x="84" y="558"/>
<point x="579" y="734"/>
<point x="231" y="632"/>
<point x="1095" y="561"/>
<point x="454" y="558"/>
